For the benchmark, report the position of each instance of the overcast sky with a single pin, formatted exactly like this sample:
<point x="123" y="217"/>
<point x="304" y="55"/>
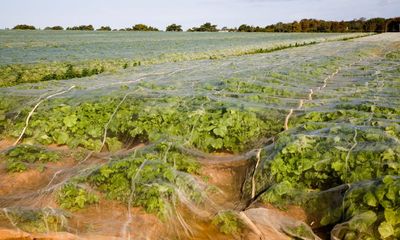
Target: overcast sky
<point x="188" y="13"/>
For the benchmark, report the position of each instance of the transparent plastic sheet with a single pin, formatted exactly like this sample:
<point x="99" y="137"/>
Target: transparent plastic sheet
<point x="114" y="154"/>
<point x="19" y="47"/>
<point x="339" y="144"/>
<point x="31" y="56"/>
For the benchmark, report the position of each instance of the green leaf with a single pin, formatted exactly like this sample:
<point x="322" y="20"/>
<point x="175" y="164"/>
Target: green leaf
<point x="392" y="216"/>
<point x="62" y="138"/>
<point x="80" y="200"/>
<point x="70" y="120"/>
<point x="338" y="166"/>
<point x="95" y="132"/>
<point x="392" y="193"/>
<point x="385" y="229"/>
<point x="2" y="115"/>
<point x="363" y="221"/>
<point x="113" y="144"/>
<point x="220" y="131"/>
<point x="388" y="179"/>
<point x="370" y="199"/>
<point x="388" y="155"/>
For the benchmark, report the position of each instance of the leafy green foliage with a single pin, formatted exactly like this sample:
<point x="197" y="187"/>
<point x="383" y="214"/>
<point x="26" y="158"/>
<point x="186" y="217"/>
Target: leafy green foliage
<point x="104" y="28"/>
<point x="57" y="28"/>
<point x="143" y="28"/>
<point x="299" y="175"/>
<point x="228" y="222"/>
<point x="280" y="194"/>
<point x="82" y="28"/>
<point x="24" y="27"/>
<point x="301" y="231"/>
<point x="206" y="27"/>
<point x="227" y="129"/>
<point x="18" y="157"/>
<point x="297" y="162"/>
<point x="373" y="210"/>
<point x="219" y="128"/>
<point x="7" y="110"/>
<point x="149" y="179"/>
<point x="174" y="28"/>
<point x="73" y="197"/>
<point x="336" y="162"/>
<point x="35" y="220"/>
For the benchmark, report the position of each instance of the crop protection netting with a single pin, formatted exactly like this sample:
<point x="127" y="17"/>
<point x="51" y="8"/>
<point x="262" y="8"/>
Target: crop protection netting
<point x="317" y="126"/>
<point x="31" y="56"/>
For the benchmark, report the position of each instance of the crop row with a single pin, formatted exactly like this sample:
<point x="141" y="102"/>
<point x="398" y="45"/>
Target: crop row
<point x="14" y="74"/>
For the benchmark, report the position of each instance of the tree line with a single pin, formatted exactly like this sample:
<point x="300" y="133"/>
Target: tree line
<point x="314" y="25"/>
<point x="305" y="25"/>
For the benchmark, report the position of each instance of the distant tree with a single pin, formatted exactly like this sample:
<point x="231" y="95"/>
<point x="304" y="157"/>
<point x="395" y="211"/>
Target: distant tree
<point x="104" y="28"/>
<point x="245" y="28"/>
<point x="174" y="28"/>
<point x="82" y="28"/>
<point x="24" y="27"/>
<point x="58" y="28"/>
<point x="314" y="25"/>
<point x="356" y="25"/>
<point x="206" y="27"/>
<point x="376" y="25"/>
<point x="143" y="28"/>
<point x="393" y="25"/>
<point x="296" y="27"/>
<point x="323" y="26"/>
<point x="335" y="27"/>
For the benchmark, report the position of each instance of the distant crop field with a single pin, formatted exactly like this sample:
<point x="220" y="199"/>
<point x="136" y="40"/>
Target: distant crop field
<point x="17" y="47"/>
<point x="33" y="56"/>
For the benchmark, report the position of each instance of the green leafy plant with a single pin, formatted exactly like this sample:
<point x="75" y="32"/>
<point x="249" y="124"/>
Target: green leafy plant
<point x="35" y="220"/>
<point x="219" y="128"/>
<point x="296" y="162"/>
<point x="74" y="197"/>
<point x="149" y="179"/>
<point x="228" y="222"/>
<point x="18" y="157"/>
<point x="372" y="210"/>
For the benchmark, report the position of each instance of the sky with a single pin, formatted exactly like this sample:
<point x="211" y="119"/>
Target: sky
<point x="188" y="13"/>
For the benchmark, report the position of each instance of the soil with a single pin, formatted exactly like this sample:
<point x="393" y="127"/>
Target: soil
<point x="228" y="173"/>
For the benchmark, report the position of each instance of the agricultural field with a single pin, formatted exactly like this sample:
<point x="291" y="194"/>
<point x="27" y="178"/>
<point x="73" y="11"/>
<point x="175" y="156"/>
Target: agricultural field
<point x="33" y="56"/>
<point x="199" y="136"/>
